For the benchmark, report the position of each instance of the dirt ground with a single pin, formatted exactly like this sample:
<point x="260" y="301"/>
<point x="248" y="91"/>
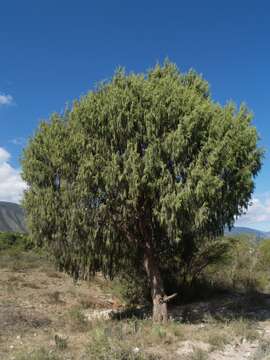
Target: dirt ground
<point x="41" y="308"/>
<point x="37" y="302"/>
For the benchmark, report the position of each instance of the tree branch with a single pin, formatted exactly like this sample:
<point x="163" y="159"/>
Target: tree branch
<point x="166" y="299"/>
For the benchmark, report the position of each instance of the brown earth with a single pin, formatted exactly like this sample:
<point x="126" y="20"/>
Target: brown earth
<point x="41" y="308"/>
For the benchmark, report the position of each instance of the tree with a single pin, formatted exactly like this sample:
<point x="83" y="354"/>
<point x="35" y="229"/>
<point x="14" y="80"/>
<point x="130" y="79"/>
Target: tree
<point x="142" y="169"/>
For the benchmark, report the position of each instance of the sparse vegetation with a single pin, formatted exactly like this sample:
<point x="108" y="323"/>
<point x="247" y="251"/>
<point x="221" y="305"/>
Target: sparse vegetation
<point x="53" y="329"/>
<point x="198" y="354"/>
<point x="218" y="339"/>
<point x="54" y="297"/>
<point x="40" y="354"/>
<point x="107" y="343"/>
<point x="263" y="350"/>
<point x="61" y="343"/>
<point x="244" y="330"/>
<point x="78" y="322"/>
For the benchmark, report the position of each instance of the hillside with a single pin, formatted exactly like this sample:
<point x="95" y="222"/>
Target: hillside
<point x="11" y="217"/>
<point x="44" y="315"/>
<point x="257" y="234"/>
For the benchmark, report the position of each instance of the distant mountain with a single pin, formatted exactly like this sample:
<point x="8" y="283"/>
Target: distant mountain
<point x="258" y="234"/>
<point x="11" y="217"/>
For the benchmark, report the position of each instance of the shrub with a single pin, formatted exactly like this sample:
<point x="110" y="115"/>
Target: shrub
<point x="60" y="342"/>
<point x="9" y="240"/>
<point x="242" y="269"/>
<point x="78" y="319"/>
<point x="132" y="287"/>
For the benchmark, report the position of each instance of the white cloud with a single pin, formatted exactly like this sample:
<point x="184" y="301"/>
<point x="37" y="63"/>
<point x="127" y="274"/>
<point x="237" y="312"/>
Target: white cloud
<point x="258" y="214"/>
<point x="11" y="183"/>
<point x="4" y="155"/>
<point x="5" y="99"/>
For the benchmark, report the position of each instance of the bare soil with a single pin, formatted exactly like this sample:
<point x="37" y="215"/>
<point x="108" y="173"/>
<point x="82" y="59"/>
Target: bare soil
<point x="41" y="308"/>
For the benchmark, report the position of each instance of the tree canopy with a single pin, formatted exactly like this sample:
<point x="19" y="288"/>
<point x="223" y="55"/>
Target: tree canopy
<point x="144" y="167"/>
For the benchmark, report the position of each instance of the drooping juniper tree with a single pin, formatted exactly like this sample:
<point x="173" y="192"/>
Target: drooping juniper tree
<point x="143" y="167"/>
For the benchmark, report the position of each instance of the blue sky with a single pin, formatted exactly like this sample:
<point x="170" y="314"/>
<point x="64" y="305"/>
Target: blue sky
<point x="52" y="52"/>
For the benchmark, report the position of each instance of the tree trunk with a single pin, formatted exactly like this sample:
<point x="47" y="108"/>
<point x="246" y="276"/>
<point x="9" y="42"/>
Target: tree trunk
<point x="160" y="312"/>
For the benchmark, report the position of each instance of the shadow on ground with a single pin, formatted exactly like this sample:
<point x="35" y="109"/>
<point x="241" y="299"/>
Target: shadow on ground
<point x="253" y="306"/>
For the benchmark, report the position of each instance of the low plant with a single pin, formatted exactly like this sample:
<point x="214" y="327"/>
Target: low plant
<point x="77" y="319"/>
<point x="108" y="343"/>
<point x="244" y="330"/>
<point x="218" y="339"/>
<point x="61" y="343"/>
<point x="54" y="297"/>
<point x="198" y="354"/>
<point x="40" y="354"/>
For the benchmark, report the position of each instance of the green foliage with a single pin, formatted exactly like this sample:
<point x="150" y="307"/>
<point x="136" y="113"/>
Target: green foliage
<point x="192" y="280"/>
<point x="145" y="161"/>
<point x="132" y="287"/>
<point x="244" y="267"/>
<point x="264" y="255"/>
<point x="9" y="240"/>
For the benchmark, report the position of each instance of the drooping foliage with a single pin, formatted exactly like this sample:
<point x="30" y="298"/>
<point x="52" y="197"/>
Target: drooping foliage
<point x="144" y="160"/>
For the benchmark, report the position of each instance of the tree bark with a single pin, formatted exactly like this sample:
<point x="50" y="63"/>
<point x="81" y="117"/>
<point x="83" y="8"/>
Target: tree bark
<point x="160" y="311"/>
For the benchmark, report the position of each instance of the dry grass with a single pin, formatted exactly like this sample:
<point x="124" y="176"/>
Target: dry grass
<point x="36" y="303"/>
<point x="263" y="351"/>
<point x="42" y="318"/>
<point x="198" y="354"/>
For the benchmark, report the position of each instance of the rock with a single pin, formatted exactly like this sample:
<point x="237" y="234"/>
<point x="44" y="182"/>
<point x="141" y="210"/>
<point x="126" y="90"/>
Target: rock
<point x="105" y="314"/>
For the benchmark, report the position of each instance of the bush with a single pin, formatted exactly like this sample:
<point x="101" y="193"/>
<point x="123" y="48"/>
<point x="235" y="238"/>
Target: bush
<point x="9" y="240"/>
<point x="235" y="263"/>
<point x="186" y="276"/>
<point x="133" y="288"/>
<point x="242" y="270"/>
<point x="78" y="320"/>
